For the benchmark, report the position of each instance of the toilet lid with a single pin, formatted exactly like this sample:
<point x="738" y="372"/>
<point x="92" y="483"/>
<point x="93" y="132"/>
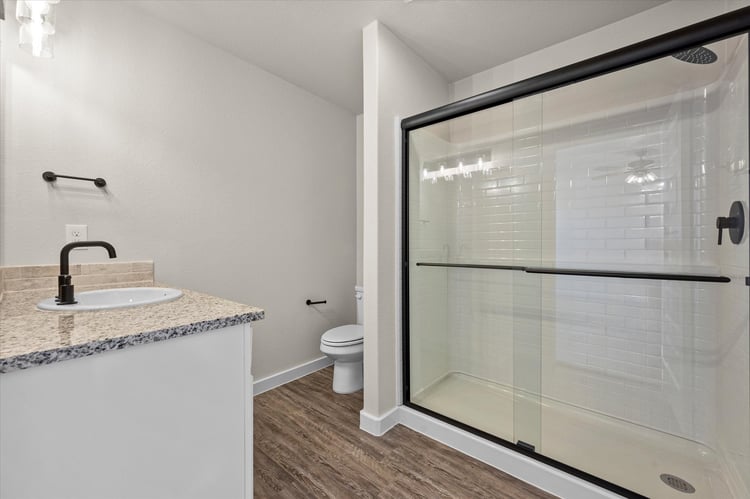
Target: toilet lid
<point x="351" y="334"/>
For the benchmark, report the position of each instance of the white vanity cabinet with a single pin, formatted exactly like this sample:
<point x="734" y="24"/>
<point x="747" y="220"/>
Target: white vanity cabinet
<point x="168" y="419"/>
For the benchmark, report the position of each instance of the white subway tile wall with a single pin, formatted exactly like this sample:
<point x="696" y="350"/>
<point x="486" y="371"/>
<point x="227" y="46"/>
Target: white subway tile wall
<point x="625" y="189"/>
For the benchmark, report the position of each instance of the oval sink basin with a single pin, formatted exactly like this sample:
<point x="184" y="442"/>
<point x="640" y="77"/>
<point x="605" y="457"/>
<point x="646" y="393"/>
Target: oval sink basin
<point x="106" y="299"/>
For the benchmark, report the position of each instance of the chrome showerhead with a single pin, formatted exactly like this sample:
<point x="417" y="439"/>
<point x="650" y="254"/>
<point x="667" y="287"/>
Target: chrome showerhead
<point x="697" y="55"/>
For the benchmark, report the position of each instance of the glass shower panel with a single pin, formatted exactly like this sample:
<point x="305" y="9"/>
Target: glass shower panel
<point x="638" y="165"/>
<point x="475" y="384"/>
<point x="627" y="384"/>
<point x="430" y="227"/>
<point x="567" y="289"/>
<point x="474" y="201"/>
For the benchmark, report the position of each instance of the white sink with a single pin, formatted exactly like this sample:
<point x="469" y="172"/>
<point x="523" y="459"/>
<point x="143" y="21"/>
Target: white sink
<point x="106" y="299"/>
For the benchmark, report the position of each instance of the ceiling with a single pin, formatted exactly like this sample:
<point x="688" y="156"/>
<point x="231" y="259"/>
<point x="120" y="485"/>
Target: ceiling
<point x="317" y="44"/>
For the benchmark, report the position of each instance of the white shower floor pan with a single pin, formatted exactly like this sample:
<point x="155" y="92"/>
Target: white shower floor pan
<point x="620" y="452"/>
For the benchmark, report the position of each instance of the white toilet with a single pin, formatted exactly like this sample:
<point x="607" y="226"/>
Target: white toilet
<point x="345" y="345"/>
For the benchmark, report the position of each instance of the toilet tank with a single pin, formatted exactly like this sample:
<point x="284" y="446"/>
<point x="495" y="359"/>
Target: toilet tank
<point x="358" y="293"/>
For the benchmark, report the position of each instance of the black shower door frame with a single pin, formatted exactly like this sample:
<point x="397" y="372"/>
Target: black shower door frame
<point x="725" y="26"/>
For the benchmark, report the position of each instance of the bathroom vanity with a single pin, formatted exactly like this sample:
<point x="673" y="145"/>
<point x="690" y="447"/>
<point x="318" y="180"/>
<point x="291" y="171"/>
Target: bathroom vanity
<point x="152" y="401"/>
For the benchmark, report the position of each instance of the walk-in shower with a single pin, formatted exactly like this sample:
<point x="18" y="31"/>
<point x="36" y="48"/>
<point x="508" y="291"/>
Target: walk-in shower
<point x="565" y="292"/>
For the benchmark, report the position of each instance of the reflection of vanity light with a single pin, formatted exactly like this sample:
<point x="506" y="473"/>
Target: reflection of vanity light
<point x="461" y="165"/>
<point x="465" y="171"/>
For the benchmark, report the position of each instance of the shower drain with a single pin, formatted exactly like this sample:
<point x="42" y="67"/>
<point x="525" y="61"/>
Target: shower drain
<point x="677" y="483"/>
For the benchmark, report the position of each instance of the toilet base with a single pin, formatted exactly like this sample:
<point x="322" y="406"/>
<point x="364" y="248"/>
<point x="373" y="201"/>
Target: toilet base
<point x="347" y="376"/>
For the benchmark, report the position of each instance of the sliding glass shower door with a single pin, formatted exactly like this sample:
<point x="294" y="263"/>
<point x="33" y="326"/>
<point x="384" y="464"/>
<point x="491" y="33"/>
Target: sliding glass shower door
<point x="475" y="335"/>
<point x="576" y="274"/>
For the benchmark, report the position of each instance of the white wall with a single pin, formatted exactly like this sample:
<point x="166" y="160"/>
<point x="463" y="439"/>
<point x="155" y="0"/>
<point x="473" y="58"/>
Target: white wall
<point x="360" y="193"/>
<point x="234" y="181"/>
<point x="397" y="84"/>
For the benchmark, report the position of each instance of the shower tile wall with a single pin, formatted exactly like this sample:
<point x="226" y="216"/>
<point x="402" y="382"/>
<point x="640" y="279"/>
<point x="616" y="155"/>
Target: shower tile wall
<point x="622" y="347"/>
<point x="618" y="347"/>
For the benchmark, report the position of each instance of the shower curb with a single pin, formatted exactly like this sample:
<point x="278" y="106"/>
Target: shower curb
<point x="529" y="470"/>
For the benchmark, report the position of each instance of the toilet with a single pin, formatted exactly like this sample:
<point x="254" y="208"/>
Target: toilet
<point x="345" y="345"/>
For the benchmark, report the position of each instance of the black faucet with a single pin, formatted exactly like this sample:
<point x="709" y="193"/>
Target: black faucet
<point x="65" y="294"/>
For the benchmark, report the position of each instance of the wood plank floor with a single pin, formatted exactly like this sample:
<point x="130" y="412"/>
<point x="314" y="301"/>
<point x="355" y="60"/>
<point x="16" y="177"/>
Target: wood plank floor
<point x="308" y="445"/>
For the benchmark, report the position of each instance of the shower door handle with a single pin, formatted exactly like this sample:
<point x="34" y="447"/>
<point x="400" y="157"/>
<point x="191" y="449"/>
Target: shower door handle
<point x="735" y="222"/>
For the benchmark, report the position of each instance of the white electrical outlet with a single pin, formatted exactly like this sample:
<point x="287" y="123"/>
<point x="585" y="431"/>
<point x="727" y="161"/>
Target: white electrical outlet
<point x="75" y="233"/>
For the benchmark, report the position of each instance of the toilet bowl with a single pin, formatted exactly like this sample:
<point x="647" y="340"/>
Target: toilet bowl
<point x="345" y="345"/>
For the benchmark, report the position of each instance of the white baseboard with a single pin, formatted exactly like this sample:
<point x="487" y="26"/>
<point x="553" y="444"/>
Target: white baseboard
<point x="378" y="426"/>
<point x="278" y="379"/>
<point x="524" y="468"/>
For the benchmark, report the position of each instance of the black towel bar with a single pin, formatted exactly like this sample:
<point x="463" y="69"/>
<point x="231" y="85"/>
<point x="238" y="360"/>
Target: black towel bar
<point x="52" y="176"/>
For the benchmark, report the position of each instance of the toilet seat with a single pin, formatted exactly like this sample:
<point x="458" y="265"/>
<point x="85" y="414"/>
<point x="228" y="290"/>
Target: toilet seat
<point x="343" y="336"/>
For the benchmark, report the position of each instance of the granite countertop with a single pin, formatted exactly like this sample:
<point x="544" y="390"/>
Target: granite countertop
<point x="30" y="337"/>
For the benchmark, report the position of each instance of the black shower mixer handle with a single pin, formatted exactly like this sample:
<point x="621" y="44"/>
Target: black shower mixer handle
<point x="735" y="222"/>
<point x="724" y="223"/>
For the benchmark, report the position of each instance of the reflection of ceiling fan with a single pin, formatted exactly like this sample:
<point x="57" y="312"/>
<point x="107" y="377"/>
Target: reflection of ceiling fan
<point x="639" y="171"/>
